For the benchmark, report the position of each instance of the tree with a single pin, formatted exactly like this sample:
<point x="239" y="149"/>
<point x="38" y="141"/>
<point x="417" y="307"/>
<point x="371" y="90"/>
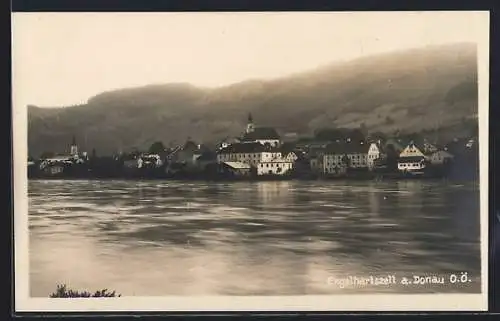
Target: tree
<point x="363" y="129"/>
<point x="378" y="135"/>
<point x="392" y="157"/>
<point x="357" y="135"/>
<point x="156" y="148"/>
<point x="328" y="134"/>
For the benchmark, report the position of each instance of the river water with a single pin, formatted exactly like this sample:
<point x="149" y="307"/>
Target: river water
<point x="152" y="238"/>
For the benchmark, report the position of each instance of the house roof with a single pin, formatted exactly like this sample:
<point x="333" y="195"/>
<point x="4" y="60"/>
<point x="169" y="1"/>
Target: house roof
<point x="380" y="146"/>
<point x="411" y="158"/>
<point x="190" y="145"/>
<point x="421" y="143"/>
<point x="316" y="144"/>
<point x="238" y="165"/>
<point x="444" y="153"/>
<point x="261" y="133"/>
<point x="207" y="156"/>
<point x="59" y="158"/>
<point x="287" y="148"/>
<point x="347" y="148"/>
<point x="229" y="140"/>
<point x="247" y="148"/>
<point x="276" y="160"/>
<point x="398" y="143"/>
<point x="315" y="152"/>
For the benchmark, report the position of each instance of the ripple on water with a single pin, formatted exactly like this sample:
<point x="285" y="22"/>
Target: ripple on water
<point x="274" y="238"/>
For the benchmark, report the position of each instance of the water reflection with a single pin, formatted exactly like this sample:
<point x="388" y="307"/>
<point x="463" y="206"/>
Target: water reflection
<point x="244" y="238"/>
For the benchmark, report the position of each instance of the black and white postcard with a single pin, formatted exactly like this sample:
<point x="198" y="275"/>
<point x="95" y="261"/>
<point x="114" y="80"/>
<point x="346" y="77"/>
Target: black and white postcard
<point x="259" y="161"/>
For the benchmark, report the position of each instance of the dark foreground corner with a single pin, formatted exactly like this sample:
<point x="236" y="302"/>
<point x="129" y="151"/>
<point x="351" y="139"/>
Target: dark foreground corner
<point x="63" y="292"/>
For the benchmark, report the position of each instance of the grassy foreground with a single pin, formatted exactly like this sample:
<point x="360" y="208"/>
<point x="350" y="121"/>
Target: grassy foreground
<point x="63" y="292"/>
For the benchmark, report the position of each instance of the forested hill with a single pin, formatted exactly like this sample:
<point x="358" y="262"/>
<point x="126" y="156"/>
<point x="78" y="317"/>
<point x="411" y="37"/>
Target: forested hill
<point x="410" y="91"/>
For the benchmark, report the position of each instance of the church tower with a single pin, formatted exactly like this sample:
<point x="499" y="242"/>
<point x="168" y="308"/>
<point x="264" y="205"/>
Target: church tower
<point x="250" y="125"/>
<point x="74" y="147"/>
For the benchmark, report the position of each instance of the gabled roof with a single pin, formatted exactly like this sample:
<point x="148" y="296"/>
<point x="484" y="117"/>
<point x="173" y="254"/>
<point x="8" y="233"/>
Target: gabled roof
<point x="252" y="147"/>
<point x="398" y="143"/>
<point x="380" y="146"/>
<point x="261" y="133"/>
<point x="411" y="158"/>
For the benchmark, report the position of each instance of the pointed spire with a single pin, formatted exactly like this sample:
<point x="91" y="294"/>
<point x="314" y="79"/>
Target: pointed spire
<point x="73" y="142"/>
<point x="250" y="119"/>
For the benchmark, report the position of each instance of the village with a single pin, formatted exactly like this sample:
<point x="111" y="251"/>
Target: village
<point x="261" y="153"/>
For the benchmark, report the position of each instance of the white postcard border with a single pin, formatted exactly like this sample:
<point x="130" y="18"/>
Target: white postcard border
<point x="428" y="302"/>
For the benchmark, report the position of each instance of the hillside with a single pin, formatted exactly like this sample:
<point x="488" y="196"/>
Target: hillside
<point x="410" y="90"/>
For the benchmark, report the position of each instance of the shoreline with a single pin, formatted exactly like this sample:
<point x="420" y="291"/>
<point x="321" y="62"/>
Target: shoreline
<point x="253" y="179"/>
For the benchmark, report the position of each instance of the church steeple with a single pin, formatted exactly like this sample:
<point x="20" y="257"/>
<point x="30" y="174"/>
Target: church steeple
<point x="250" y="125"/>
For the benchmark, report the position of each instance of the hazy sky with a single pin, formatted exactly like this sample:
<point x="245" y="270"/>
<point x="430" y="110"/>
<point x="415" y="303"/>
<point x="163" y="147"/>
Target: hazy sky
<point x="65" y="58"/>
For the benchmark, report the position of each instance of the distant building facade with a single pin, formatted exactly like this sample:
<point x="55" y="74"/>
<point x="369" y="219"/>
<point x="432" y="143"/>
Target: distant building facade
<point x="340" y="156"/>
<point x="375" y="152"/>
<point x="412" y="158"/>
<point x="264" y="159"/>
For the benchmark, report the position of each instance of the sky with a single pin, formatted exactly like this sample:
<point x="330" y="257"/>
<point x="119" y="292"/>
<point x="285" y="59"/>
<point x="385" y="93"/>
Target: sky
<point x="63" y="59"/>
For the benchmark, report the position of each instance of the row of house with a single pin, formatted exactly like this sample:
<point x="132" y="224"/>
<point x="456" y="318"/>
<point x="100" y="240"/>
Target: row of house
<point x="260" y="151"/>
<point x="410" y="157"/>
<point x="57" y="164"/>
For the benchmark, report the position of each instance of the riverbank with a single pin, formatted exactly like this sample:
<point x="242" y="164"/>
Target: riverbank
<point x="257" y="178"/>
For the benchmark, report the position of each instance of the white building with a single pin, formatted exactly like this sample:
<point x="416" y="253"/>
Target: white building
<point x="374" y="152"/>
<point x="277" y="166"/>
<point x="265" y="159"/>
<point x="250" y="153"/>
<point x="412" y="158"/>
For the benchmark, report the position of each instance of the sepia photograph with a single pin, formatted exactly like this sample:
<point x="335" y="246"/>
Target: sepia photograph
<point x="251" y="161"/>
